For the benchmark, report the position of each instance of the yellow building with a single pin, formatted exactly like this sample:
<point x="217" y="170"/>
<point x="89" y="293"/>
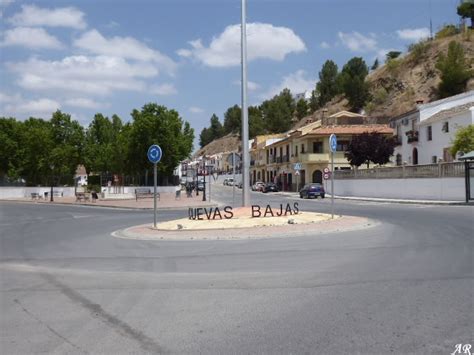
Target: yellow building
<point x="308" y="147"/>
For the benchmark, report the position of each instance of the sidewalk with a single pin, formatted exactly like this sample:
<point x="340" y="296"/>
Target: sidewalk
<point x="385" y="200"/>
<point x="167" y="201"/>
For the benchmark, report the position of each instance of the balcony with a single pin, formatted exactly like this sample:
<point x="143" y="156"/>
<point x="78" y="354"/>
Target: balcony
<point x="412" y="136"/>
<point x="322" y="158"/>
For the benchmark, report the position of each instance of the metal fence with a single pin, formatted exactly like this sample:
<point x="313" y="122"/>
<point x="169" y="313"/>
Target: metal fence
<point x="455" y="169"/>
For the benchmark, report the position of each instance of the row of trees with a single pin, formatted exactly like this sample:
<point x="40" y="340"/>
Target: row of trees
<point x="37" y="149"/>
<point x="272" y="116"/>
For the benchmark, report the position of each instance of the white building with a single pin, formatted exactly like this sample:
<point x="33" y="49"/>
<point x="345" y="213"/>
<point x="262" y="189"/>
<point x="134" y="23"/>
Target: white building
<point x="426" y="133"/>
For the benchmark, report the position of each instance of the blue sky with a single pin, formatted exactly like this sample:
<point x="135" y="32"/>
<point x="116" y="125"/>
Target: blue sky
<point x="112" y="56"/>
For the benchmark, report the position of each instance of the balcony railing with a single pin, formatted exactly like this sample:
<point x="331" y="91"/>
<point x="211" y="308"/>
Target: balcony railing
<point x="412" y="136"/>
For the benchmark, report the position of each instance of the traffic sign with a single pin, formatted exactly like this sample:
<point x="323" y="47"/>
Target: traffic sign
<point x="333" y="143"/>
<point x="297" y="166"/>
<point x="326" y="170"/>
<point x="154" y="153"/>
<point x="326" y="176"/>
<point x="297" y="172"/>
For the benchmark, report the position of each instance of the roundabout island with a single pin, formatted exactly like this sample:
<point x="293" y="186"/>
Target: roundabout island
<point x="254" y="222"/>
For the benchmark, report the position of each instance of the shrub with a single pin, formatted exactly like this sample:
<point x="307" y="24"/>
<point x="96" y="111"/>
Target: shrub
<point x="419" y="50"/>
<point x="447" y="31"/>
<point x="393" y="66"/>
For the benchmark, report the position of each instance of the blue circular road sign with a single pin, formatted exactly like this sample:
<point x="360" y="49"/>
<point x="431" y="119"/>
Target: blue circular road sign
<point x="333" y="142"/>
<point x="154" y="153"/>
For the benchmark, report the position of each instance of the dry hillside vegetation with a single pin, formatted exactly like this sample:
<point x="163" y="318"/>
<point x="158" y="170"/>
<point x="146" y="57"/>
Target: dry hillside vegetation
<point x="225" y="144"/>
<point x="397" y="85"/>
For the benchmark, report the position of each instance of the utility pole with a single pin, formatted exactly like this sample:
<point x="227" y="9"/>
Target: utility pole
<point x="245" y="121"/>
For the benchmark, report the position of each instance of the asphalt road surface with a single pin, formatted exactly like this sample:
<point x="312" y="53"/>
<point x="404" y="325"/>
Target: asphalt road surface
<point x="404" y="286"/>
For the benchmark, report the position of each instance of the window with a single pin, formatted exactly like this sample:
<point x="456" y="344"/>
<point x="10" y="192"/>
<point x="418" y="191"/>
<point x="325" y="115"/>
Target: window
<point x="342" y="146"/>
<point x="302" y="148"/>
<point x="434" y="159"/>
<point x="317" y="147"/>
<point x="296" y="150"/>
<point x="429" y="133"/>
<point x="445" y="127"/>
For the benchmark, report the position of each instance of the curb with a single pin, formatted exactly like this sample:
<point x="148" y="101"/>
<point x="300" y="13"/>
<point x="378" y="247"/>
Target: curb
<point x="169" y="208"/>
<point x="388" y="200"/>
<point x="343" y="224"/>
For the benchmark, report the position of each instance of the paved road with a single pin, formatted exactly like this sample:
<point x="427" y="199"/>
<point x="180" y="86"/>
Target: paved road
<point x="67" y="286"/>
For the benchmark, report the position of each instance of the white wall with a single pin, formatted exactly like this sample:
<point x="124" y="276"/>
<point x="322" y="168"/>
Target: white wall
<point x="8" y="192"/>
<point x="442" y="189"/>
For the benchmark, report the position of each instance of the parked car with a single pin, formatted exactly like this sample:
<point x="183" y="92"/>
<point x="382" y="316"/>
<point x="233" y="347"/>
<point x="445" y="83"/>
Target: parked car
<point x="312" y="190"/>
<point x="258" y="186"/>
<point x="230" y="182"/>
<point x="270" y="187"/>
<point x="239" y="185"/>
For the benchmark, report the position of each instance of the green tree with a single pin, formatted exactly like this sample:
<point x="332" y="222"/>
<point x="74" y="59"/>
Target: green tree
<point x="10" y="132"/>
<point x="256" y="124"/>
<point x="68" y="143"/>
<point x="455" y="71"/>
<point x="36" y="141"/>
<point x="354" y="86"/>
<point x="328" y="85"/>
<point x="205" y="137"/>
<point x="278" y="112"/>
<point x="301" y="108"/>
<point x="370" y="147"/>
<point x="375" y="65"/>
<point x="392" y="55"/>
<point x="464" y="140"/>
<point x="313" y="102"/>
<point x="466" y="10"/>
<point x="216" y="128"/>
<point x="156" y="124"/>
<point x="232" y="120"/>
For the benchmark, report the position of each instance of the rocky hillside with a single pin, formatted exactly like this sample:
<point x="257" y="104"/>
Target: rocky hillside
<point x="396" y="86"/>
<point x="225" y="144"/>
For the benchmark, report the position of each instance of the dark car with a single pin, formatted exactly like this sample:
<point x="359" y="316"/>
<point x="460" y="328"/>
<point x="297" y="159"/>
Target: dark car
<point x="270" y="187"/>
<point x="312" y="190"/>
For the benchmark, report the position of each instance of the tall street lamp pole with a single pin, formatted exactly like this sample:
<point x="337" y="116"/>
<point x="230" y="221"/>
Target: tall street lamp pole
<point x="245" y="121"/>
<point x="204" y="187"/>
<point x="51" y="199"/>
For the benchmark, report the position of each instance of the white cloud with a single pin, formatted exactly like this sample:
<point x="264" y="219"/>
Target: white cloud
<point x="163" y="89"/>
<point x="264" y="41"/>
<point x="35" y="108"/>
<point x="251" y="86"/>
<point x="414" y="34"/>
<point x="32" y="15"/>
<point x="99" y="75"/>
<point x="123" y="47"/>
<point x="5" y="3"/>
<point x="83" y="102"/>
<point x="195" y="109"/>
<point x="324" y="45"/>
<point x="357" y="42"/>
<point x="297" y="82"/>
<point x="29" y="37"/>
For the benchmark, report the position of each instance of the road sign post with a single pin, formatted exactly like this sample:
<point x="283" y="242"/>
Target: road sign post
<point x="154" y="156"/>
<point x="333" y="147"/>
<point x="297" y="168"/>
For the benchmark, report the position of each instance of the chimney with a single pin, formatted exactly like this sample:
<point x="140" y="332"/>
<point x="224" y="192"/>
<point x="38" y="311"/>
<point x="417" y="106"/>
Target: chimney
<point x="323" y="118"/>
<point x="419" y="101"/>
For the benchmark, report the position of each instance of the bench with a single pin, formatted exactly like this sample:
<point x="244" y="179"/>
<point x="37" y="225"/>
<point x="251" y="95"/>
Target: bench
<point x="82" y="196"/>
<point x="144" y="193"/>
<point x="36" y="196"/>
